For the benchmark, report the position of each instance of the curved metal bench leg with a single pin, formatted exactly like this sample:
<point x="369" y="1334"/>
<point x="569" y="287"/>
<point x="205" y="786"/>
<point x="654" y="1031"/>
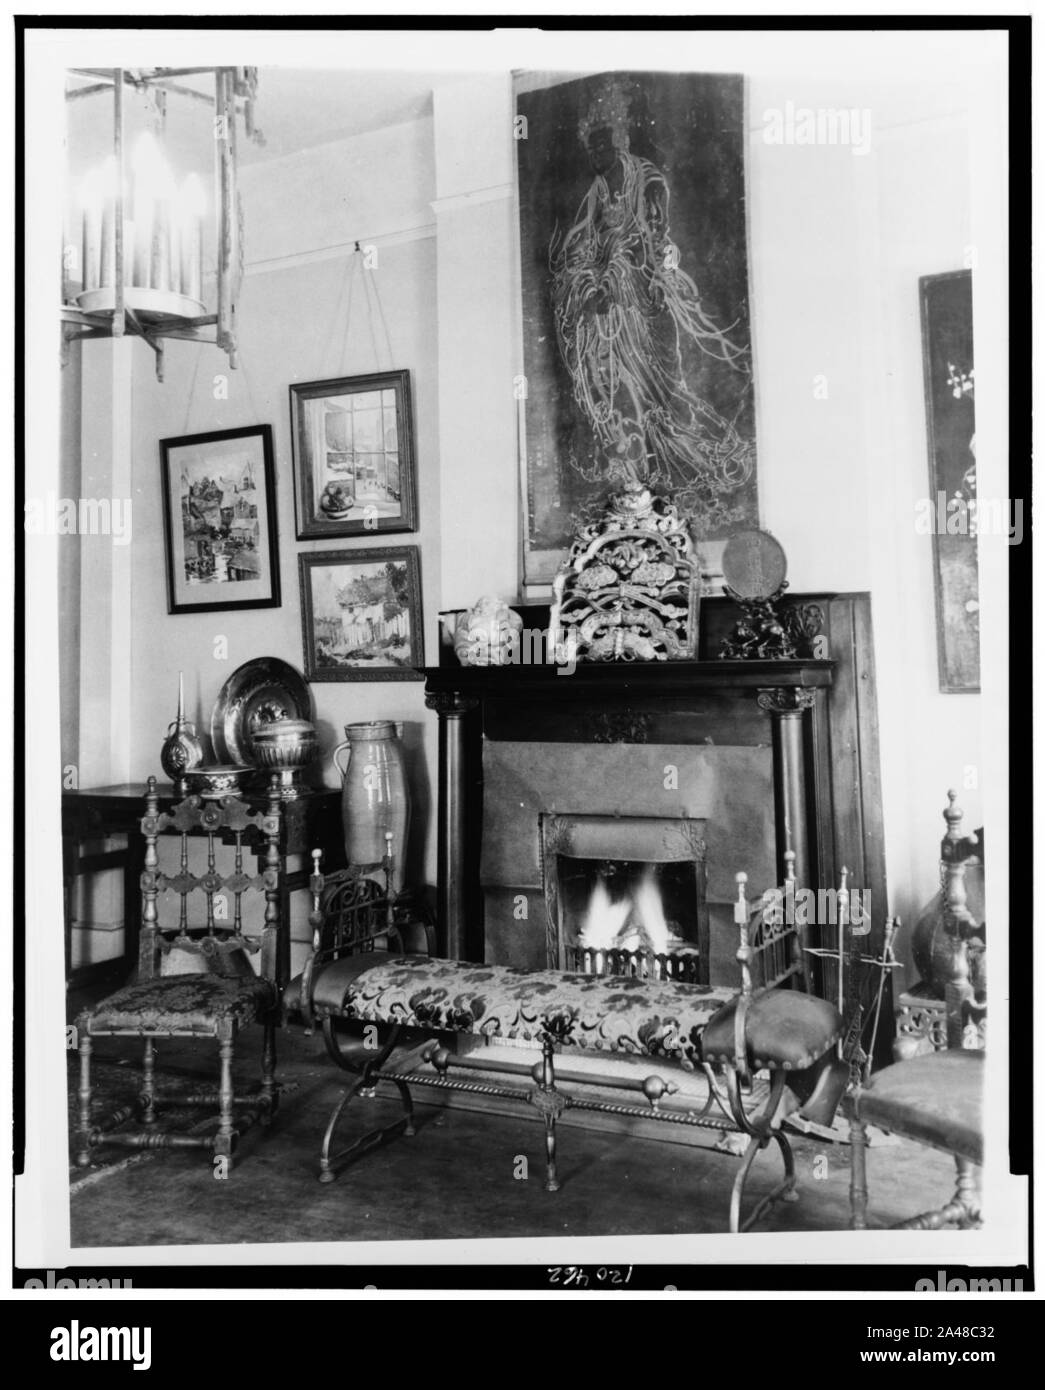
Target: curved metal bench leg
<point x="326" y="1170"/>
<point x="408" y="1108"/>
<point x="369" y="1075"/>
<point x="737" y="1195"/>
<point x="762" y="1131"/>
<point x="783" y="1192"/>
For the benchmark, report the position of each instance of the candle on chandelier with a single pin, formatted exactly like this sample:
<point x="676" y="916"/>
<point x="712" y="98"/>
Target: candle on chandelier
<point x="101" y="191"/>
<point x="190" y="236"/>
<point x="145" y="163"/>
<point x="93" y="206"/>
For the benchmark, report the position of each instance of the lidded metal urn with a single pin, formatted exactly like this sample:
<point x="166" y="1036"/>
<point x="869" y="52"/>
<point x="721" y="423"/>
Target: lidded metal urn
<point x="183" y="748"/>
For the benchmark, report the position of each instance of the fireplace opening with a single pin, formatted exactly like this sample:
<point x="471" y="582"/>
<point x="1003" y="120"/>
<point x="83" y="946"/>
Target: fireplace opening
<point x="626" y="896"/>
<point x="628" y="916"/>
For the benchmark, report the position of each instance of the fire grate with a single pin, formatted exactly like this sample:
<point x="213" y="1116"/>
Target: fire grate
<point x="679" y="966"/>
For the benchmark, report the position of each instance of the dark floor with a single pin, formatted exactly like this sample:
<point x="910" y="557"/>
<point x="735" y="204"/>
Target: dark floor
<point x="455" y="1179"/>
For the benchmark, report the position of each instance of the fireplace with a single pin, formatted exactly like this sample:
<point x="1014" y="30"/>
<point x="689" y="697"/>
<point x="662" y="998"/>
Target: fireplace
<point x="625" y="824"/>
<point x="743" y="759"/>
<point x="626" y="895"/>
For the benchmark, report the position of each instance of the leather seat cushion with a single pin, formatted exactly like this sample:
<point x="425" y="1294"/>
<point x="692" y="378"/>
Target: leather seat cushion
<point x="785" y="1030"/>
<point x="936" y="1100"/>
<point x="181" y="1004"/>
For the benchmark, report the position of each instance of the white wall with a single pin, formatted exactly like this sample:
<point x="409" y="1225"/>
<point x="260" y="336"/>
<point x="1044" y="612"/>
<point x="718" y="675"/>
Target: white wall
<point x="838" y="242"/>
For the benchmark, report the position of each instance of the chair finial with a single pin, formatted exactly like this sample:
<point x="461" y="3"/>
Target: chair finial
<point x="953" y="815"/>
<point x="740" y="908"/>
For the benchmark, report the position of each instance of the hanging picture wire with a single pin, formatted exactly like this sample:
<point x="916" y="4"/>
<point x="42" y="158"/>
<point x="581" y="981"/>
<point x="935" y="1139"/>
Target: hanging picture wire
<point x="357" y="267"/>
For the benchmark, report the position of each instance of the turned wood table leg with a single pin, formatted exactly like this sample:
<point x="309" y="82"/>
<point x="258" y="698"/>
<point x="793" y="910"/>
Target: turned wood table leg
<point x="148" y="1091"/>
<point x="225" y="1137"/>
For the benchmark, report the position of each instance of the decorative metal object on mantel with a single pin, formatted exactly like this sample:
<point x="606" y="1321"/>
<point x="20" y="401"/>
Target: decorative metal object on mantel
<point x="488" y="634"/>
<point x="754" y="568"/>
<point x="629" y="589"/>
<point x="139" y="267"/>
<point x="183" y="748"/>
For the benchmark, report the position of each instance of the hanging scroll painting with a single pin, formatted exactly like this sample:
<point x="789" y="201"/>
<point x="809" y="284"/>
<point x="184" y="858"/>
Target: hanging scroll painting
<point x="636" y="329"/>
<point x="950" y="394"/>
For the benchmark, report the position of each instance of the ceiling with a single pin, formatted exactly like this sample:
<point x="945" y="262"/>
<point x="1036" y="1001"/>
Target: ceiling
<point x="295" y="109"/>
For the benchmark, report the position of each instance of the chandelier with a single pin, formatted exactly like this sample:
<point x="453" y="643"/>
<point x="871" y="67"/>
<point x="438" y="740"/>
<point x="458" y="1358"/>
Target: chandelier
<point x="141" y="236"/>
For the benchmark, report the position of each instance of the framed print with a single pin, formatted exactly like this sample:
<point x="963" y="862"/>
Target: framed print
<point x="219" y="510"/>
<point x="950" y="409"/>
<point x="354" y="455"/>
<point x="636" y="323"/>
<point x="361" y="614"/>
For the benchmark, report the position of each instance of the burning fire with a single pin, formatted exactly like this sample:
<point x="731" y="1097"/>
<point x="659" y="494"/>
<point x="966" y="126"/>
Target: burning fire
<point x="633" y="923"/>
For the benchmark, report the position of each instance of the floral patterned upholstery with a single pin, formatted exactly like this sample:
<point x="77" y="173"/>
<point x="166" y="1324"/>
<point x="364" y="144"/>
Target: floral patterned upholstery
<point x="611" y="1013"/>
<point x="183" y="1005"/>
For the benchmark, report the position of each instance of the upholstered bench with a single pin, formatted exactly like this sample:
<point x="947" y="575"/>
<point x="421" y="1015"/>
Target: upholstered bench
<point x="727" y="1034"/>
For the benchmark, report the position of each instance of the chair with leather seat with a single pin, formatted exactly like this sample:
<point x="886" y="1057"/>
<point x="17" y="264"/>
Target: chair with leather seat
<point x="936" y="1100"/>
<point x="195" y="979"/>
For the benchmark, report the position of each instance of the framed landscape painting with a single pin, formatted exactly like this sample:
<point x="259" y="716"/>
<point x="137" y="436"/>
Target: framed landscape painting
<point x="219" y="511"/>
<point x="353" y="443"/>
<point x="361" y="614"/>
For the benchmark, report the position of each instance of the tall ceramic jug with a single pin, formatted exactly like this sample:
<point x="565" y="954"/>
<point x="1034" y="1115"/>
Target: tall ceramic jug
<point x="375" y="795"/>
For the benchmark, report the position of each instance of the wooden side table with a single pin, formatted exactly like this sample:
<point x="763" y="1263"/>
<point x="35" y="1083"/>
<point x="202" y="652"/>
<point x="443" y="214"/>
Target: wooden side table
<point x="310" y="821"/>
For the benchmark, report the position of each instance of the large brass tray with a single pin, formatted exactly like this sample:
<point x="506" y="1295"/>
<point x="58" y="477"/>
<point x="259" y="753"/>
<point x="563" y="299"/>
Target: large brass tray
<point x="259" y="692"/>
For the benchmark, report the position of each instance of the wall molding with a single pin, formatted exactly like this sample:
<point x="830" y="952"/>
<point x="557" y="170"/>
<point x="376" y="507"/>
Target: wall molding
<point x="455" y="201"/>
<point x="337" y="250"/>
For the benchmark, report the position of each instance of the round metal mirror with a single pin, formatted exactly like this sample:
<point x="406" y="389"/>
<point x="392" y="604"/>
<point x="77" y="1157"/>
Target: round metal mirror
<point x="754" y="564"/>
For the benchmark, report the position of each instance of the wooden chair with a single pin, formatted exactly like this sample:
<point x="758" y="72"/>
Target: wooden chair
<point x="195" y="981"/>
<point x="936" y="1100"/>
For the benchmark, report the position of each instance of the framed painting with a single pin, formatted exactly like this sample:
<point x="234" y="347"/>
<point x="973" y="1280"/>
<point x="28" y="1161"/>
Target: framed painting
<point x="353" y="444"/>
<point x="636" y="333"/>
<point x="950" y="410"/>
<point x="219" y="514"/>
<point x="361" y="614"/>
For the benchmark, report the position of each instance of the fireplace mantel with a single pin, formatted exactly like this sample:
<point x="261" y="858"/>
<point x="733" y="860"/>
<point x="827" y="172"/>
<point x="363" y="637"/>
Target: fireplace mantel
<point x="590" y="680"/>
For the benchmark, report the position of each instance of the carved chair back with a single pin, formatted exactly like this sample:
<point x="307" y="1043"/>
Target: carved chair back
<point x="216" y="944"/>
<point x="771" y="947"/>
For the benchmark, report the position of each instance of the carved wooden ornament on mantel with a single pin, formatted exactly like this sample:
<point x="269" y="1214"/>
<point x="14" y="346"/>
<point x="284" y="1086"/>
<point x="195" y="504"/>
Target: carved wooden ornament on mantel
<point x="629" y="590"/>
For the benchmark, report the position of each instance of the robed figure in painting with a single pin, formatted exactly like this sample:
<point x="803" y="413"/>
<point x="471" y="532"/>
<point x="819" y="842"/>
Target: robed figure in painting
<point x="623" y="305"/>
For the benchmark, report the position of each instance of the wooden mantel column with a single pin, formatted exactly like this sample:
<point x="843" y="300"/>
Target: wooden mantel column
<point x="452" y="895"/>
<point x="787" y="707"/>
